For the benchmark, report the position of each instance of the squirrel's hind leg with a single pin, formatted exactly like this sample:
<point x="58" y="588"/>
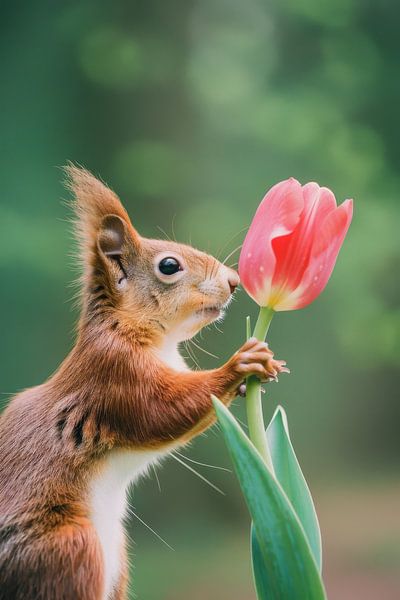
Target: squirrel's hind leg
<point x="62" y="564"/>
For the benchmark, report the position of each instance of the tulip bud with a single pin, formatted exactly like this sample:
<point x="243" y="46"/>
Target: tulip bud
<point x="292" y="244"/>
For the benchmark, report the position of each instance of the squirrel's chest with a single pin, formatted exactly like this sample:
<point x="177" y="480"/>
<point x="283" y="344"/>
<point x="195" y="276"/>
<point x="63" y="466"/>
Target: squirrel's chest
<point x="170" y="355"/>
<point x="108" y="502"/>
<point x="108" y="507"/>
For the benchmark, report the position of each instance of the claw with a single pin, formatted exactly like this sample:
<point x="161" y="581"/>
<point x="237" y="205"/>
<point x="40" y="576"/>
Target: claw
<point x="242" y="390"/>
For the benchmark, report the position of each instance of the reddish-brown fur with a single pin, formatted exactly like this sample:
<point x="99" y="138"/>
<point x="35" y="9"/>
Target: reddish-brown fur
<point x="111" y="393"/>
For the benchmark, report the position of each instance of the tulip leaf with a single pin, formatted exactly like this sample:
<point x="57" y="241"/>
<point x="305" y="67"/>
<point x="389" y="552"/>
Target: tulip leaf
<point x="260" y="573"/>
<point x="291" y="478"/>
<point x="284" y="558"/>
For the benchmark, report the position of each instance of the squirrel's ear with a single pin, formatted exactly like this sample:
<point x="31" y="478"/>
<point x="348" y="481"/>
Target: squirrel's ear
<point x="114" y="238"/>
<point x="118" y="247"/>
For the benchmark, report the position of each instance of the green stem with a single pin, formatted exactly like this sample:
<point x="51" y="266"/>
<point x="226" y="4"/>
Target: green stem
<point x="255" y="417"/>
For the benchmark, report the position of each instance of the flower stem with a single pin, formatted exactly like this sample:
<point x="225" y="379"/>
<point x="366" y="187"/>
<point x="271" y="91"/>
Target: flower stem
<point x="255" y="417"/>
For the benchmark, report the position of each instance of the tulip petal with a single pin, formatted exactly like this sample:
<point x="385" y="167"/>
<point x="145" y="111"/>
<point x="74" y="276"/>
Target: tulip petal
<point x="326" y="201"/>
<point x="277" y="216"/>
<point x="327" y="242"/>
<point x="293" y="251"/>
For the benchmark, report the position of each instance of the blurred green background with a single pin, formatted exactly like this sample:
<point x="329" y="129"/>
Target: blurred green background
<point x="190" y="110"/>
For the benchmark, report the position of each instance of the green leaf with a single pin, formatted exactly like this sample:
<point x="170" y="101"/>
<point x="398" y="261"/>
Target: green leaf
<point x="291" y="478"/>
<point x="285" y="557"/>
<point x="260" y="573"/>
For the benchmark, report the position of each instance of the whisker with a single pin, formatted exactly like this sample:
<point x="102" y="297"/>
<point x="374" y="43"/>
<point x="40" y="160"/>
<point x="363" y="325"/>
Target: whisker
<point x="214" y="431"/>
<point x="196" y="462"/>
<point x="173" y="227"/>
<point x="231" y="254"/>
<point x="216" y="264"/>
<point x="149" y="528"/>
<point x="216" y="488"/>
<point x="164" y="232"/>
<point x="156" y="476"/>
<point x="192" y="356"/>
<point x="243" y="424"/>
<point x="190" y="352"/>
<point x="205" y="351"/>
<point x="187" y="351"/>
<point x="207" y="275"/>
<point x="231" y="240"/>
<point x="212" y="271"/>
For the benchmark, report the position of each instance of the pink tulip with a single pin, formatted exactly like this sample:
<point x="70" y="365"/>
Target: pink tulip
<point x="292" y="244"/>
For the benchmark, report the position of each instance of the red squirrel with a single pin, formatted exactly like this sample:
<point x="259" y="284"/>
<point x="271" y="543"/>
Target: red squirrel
<point x="122" y="399"/>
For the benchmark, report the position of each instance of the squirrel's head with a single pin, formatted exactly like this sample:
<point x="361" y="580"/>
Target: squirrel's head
<point x="156" y="285"/>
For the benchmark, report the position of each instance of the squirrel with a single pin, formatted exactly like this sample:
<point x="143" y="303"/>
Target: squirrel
<point x="123" y="398"/>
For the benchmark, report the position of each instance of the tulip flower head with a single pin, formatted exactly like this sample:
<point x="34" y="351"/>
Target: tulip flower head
<point x="292" y="244"/>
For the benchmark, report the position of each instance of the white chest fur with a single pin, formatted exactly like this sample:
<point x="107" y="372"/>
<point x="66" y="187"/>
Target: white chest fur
<point x="169" y="354"/>
<point x="108" y="490"/>
<point x="108" y="506"/>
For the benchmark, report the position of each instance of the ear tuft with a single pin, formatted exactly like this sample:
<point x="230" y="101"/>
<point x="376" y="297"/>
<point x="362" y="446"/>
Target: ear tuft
<point x="94" y="203"/>
<point x="92" y="198"/>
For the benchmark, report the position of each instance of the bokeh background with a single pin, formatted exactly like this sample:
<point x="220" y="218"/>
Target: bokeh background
<point x="190" y="110"/>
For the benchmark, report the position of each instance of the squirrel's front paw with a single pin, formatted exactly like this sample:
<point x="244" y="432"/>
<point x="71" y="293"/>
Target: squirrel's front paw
<point x="255" y="358"/>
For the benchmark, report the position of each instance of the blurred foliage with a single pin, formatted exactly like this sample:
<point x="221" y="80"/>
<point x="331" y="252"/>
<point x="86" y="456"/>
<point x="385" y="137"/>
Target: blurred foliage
<point x="190" y="111"/>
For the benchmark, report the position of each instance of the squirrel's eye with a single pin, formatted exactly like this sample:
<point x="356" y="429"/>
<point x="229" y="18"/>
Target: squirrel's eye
<point x="169" y="266"/>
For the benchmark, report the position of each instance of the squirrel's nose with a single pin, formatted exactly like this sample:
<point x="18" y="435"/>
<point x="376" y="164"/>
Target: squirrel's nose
<point x="233" y="281"/>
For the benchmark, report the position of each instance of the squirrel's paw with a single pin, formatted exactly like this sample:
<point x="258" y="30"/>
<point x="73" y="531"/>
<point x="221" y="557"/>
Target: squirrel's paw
<point x="255" y="358"/>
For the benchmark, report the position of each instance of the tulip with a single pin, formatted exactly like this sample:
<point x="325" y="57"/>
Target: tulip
<point x="292" y="245"/>
<point x="286" y="260"/>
